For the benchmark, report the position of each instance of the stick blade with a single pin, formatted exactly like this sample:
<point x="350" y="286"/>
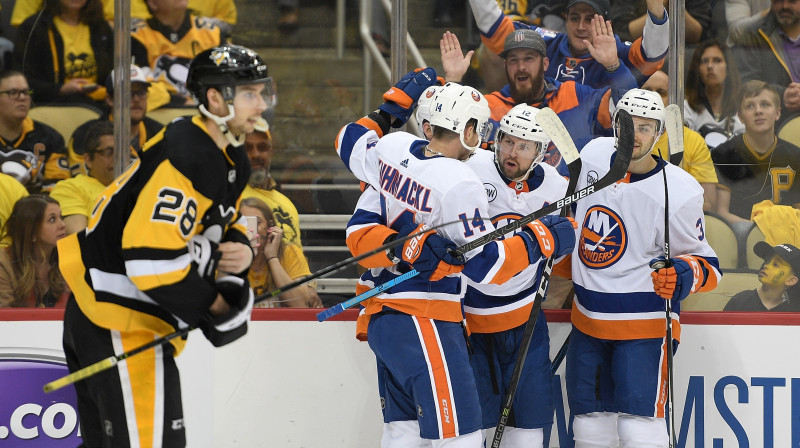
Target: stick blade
<point x="555" y="129"/>
<point x="674" y="125"/>
<point x="624" y="139"/>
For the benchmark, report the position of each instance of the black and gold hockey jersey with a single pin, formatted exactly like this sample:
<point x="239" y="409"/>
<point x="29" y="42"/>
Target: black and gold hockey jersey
<point x="168" y="53"/>
<point x="130" y="269"/>
<point x="41" y="147"/>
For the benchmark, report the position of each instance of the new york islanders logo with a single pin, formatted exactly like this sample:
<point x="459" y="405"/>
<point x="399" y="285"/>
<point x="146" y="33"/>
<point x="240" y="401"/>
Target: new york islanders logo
<point x="603" y="238"/>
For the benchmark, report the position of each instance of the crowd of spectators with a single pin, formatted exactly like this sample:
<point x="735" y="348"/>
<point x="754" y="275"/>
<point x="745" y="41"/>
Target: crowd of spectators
<point x="742" y="85"/>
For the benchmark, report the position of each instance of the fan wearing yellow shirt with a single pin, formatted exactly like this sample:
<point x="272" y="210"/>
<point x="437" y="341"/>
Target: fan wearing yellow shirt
<point x="262" y="186"/>
<point x="78" y="194"/>
<point x="696" y="155"/>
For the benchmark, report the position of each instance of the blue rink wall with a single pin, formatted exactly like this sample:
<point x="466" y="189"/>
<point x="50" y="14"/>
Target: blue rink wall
<point x="296" y="382"/>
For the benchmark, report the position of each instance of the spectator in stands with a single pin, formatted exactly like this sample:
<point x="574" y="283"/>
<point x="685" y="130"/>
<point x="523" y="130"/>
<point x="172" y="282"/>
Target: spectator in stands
<point x="778" y="277"/>
<point x="224" y="11"/>
<point x="65" y="52"/>
<point x="756" y="165"/>
<point x="770" y="51"/>
<point x="569" y="53"/>
<point x="30" y="151"/>
<point x="742" y="14"/>
<point x="29" y="274"/>
<point x="696" y="158"/>
<point x="712" y="84"/>
<point x="276" y="262"/>
<point x="167" y="42"/>
<point x="10" y="192"/>
<point x="77" y="195"/>
<point x="629" y="16"/>
<point x="262" y="186"/>
<point x="142" y="127"/>
<point x="289" y="17"/>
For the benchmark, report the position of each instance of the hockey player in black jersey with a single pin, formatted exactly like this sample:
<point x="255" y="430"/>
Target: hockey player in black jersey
<point x="165" y="248"/>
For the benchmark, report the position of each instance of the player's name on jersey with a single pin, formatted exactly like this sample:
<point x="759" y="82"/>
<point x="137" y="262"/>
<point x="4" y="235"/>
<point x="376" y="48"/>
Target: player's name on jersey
<point x="404" y="188"/>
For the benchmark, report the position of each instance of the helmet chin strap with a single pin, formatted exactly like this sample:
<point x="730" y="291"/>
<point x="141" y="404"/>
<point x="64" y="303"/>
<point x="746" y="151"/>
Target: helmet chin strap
<point x="222" y="124"/>
<point x="471" y="149"/>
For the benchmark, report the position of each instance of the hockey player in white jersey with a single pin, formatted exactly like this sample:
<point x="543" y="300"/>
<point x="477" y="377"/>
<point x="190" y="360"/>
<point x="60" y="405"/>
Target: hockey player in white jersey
<point x="616" y="369"/>
<point x="414" y="328"/>
<point x="516" y="184"/>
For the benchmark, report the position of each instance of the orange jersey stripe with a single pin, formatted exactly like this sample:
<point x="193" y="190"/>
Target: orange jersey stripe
<point x="495" y="323"/>
<point x="564" y="267"/>
<point x="371" y="125"/>
<point x="620" y="330"/>
<point x="663" y="389"/>
<point x="516" y="259"/>
<point x="636" y="56"/>
<point x="439" y="377"/>
<point x="498" y="39"/>
<point x="366" y="239"/>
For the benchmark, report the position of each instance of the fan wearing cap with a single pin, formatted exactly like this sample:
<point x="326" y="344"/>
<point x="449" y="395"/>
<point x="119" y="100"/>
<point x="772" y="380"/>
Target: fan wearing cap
<point x="570" y="53"/>
<point x="165" y="248"/>
<point x="142" y="127"/>
<point x="585" y="111"/>
<point x="778" y="278"/>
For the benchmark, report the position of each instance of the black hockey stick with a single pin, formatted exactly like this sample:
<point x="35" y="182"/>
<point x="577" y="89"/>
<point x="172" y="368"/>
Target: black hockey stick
<point x="548" y="120"/>
<point x="605" y="181"/>
<point x="675" y="138"/>
<point x="112" y="361"/>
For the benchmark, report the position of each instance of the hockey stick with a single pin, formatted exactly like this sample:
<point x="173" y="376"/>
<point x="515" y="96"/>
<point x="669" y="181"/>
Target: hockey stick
<point x="555" y="129"/>
<point x="674" y="124"/>
<point x="617" y="171"/>
<point x="112" y="361"/>
<point x="675" y="138"/>
<point x="562" y="352"/>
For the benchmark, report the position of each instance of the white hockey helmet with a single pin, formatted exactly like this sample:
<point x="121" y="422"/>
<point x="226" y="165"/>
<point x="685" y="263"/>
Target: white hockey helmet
<point x="455" y="105"/>
<point x="642" y="103"/>
<point x="423" y="112"/>
<point x="520" y="122"/>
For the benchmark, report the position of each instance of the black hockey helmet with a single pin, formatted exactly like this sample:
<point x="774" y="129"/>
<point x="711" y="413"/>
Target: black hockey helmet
<point x="225" y="67"/>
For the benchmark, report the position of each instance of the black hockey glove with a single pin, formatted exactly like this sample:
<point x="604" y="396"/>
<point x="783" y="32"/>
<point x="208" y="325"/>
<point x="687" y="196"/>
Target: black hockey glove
<point x="222" y="330"/>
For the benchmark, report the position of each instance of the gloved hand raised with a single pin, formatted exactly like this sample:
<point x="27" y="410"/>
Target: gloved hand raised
<point x="401" y="99"/>
<point x="678" y="278"/>
<point x="226" y="328"/>
<point x="550" y="236"/>
<point x="428" y="253"/>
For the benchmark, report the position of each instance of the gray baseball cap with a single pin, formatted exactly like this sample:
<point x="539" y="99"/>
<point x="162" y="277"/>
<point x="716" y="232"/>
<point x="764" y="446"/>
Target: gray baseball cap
<point x="524" y="38"/>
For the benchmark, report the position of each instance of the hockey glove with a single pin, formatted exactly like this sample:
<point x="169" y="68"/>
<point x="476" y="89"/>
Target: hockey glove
<point x="401" y="99"/>
<point x="428" y="253"/>
<point x="681" y="277"/>
<point x="551" y="236"/>
<point x="224" y="329"/>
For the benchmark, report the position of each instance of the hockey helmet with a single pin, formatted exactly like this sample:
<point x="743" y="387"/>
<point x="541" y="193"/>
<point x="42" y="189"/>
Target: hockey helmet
<point x="423" y="112"/>
<point x="645" y="104"/>
<point x="455" y="105"/>
<point x="223" y="68"/>
<point x="520" y="122"/>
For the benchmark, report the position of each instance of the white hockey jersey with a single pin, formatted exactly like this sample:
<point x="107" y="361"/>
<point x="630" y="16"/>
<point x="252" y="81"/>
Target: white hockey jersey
<point x="433" y="190"/>
<point x="491" y="308"/>
<point x="621" y="228"/>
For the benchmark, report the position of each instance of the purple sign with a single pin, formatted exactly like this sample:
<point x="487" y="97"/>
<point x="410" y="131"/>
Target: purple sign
<point x="28" y="416"/>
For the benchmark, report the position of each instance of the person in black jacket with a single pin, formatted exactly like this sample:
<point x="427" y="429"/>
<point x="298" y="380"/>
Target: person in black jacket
<point x="66" y="52"/>
<point x="778" y="277"/>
